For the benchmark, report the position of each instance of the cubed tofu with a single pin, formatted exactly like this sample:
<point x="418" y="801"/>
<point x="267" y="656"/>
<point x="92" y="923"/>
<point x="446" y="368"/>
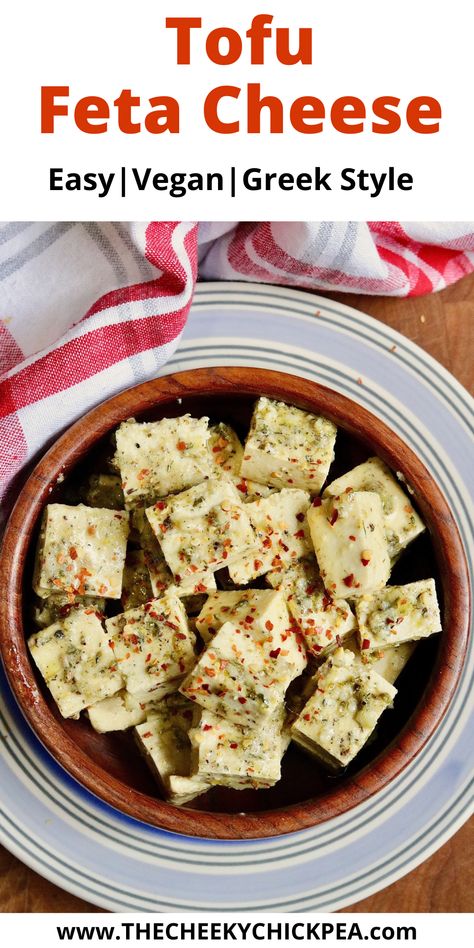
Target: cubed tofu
<point x="152" y="645"/>
<point x="164" y="740"/>
<point x="348" y="535"/>
<point x="402" y="523"/>
<point x="261" y="613"/>
<point x="388" y="662"/>
<point x="81" y="551"/>
<point x="323" y="621"/>
<point x="59" y="605"/>
<point x="182" y="790"/>
<point x="157" y="458"/>
<point x="75" y="662"/>
<point x="288" y="447"/>
<point x="136" y="586"/>
<point x="161" y="577"/>
<point x="398" y="614"/>
<point x="148" y="700"/>
<point x="113" y="714"/>
<point x="227" y="453"/>
<point x="344" y="710"/>
<point x="228" y="755"/>
<point x="235" y="679"/>
<point x="105" y="490"/>
<point x="202" y="529"/>
<point x="282" y="534"/>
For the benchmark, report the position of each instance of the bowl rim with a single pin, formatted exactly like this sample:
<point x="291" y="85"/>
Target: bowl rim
<point x="72" y="446"/>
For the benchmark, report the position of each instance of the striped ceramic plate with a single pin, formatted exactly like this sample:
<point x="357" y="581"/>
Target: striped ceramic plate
<point x="70" y="837"/>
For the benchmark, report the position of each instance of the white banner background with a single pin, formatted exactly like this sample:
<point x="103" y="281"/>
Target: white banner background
<point x="149" y="929"/>
<point x="366" y="49"/>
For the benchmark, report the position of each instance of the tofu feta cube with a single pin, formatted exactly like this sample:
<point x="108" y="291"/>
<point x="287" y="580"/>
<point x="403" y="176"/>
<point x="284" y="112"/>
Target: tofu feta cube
<point x="282" y="534"/>
<point x="161" y="577"/>
<point x="75" y="662"/>
<point x="398" y="614"/>
<point x="342" y="713"/>
<point x="105" y="490"/>
<point x="149" y="699"/>
<point x="288" y="447"/>
<point x="112" y="714"/>
<point x="235" y="679"/>
<point x="81" y="551"/>
<point x="261" y="613"/>
<point x="388" y="662"/>
<point x="164" y="739"/>
<point x="348" y="535"/>
<point x="59" y="605"/>
<point x="202" y="529"/>
<point x="227" y="453"/>
<point x="184" y="789"/>
<point x="402" y="523"/>
<point x="228" y="755"/>
<point x="157" y="458"/>
<point x="323" y="621"/>
<point x="152" y="645"/>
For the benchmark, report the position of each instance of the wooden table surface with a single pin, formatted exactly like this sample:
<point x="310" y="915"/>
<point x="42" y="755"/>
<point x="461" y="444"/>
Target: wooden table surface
<point x="443" y="324"/>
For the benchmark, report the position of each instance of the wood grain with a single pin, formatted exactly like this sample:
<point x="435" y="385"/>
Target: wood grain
<point x="443" y="325"/>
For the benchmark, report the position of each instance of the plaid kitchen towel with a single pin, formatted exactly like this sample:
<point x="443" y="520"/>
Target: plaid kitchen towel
<point x="88" y="309"/>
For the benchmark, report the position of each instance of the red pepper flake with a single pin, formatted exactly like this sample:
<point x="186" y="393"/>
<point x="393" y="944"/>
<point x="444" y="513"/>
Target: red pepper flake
<point x="233" y="745"/>
<point x="207" y="727"/>
<point x="181" y="446"/>
<point x="317" y="648"/>
<point x="365" y="643"/>
<point x="148" y="734"/>
<point x="249" y="619"/>
<point x="316" y="502"/>
<point x="275" y="653"/>
<point x="267" y="543"/>
<point x="349" y="580"/>
<point x="352" y="537"/>
<point x="111" y="644"/>
<point x="257" y="564"/>
<point x="148" y="658"/>
<point x="160" y="505"/>
<point x="180" y="635"/>
<point x="338" y="640"/>
<point x="242" y="700"/>
<point x="327" y="601"/>
<point x="200" y="588"/>
<point x="364" y="561"/>
<point x="333" y="517"/>
<point x="299" y="535"/>
<point x="134" y="639"/>
<point x="268" y="625"/>
<point x="243" y="487"/>
<point x="283" y="546"/>
<point x="307" y="717"/>
<point x="73" y="553"/>
<point x="300" y="517"/>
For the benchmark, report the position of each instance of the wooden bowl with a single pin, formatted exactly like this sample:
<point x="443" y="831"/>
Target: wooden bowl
<point x="109" y="765"/>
